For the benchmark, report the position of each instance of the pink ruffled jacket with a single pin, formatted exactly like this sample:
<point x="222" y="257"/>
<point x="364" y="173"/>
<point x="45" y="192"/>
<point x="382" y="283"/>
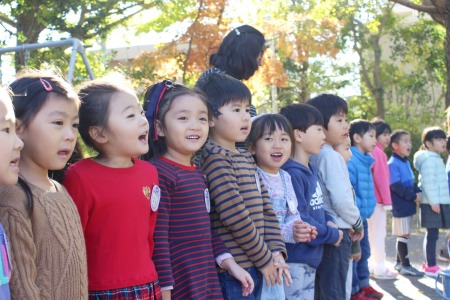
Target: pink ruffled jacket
<point x="380" y="171"/>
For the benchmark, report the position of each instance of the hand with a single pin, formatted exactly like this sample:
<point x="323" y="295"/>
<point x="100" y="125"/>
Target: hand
<point x="313" y="233"/>
<point x="418" y="197"/>
<point x="356" y="256"/>
<point x="341" y="235"/>
<point x="270" y="274"/>
<point x="240" y="274"/>
<point x="356" y="236"/>
<point x="283" y="268"/>
<point x="301" y="231"/>
<point x="166" y="295"/>
<point x="436" y="208"/>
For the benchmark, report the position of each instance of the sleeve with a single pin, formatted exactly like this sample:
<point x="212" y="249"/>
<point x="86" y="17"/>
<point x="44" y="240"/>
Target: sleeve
<point x="272" y="231"/>
<point x="23" y="255"/>
<point x="380" y="173"/>
<point x="219" y="247"/>
<point x="341" y="194"/>
<point x="325" y="234"/>
<point x="78" y="191"/>
<point x="232" y="211"/>
<point x="161" y="254"/>
<point x="353" y="176"/>
<point x="396" y="185"/>
<point x="429" y="180"/>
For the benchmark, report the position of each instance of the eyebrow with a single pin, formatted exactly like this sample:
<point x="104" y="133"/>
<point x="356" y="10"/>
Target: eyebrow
<point x="128" y="107"/>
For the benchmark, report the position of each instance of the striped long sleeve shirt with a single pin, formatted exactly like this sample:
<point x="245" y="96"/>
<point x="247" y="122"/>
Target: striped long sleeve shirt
<point x="241" y="211"/>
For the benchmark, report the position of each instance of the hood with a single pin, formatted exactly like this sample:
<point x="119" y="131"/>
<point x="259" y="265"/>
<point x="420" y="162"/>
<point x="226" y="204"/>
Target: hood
<point x="422" y="155"/>
<point x="366" y="158"/>
<point x="292" y="164"/>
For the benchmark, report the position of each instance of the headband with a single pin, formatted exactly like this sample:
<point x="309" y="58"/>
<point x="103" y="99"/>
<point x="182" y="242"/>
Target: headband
<point x="153" y="97"/>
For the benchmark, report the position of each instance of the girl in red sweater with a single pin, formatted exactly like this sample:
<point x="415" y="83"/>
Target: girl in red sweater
<point x="117" y="195"/>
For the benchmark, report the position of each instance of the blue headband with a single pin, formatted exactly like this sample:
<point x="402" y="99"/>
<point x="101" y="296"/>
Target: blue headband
<point x="153" y="97"/>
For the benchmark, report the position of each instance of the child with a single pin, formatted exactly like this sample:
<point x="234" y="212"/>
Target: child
<point x="241" y="211"/>
<point x="304" y="258"/>
<point x="337" y="197"/>
<point x="47" y="247"/>
<point x="270" y="142"/>
<point x="404" y="196"/>
<point x="363" y="139"/>
<point x="435" y="204"/>
<point x="355" y="253"/>
<point x="377" y="222"/>
<point x="117" y="195"/>
<point x="179" y="127"/>
<point x="9" y="171"/>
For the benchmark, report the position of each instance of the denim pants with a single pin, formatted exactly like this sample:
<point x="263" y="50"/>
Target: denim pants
<point x="361" y="274"/>
<point x="232" y="288"/>
<point x="331" y="274"/>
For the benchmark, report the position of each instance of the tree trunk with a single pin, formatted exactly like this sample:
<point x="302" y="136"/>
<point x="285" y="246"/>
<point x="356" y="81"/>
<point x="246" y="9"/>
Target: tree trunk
<point x="378" y="89"/>
<point x="27" y="33"/>
<point x="447" y="59"/>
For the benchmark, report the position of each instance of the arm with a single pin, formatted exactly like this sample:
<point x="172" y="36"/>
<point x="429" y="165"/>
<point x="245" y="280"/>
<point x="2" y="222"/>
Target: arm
<point x="380" y="173"/>
<point x="397" y="187"/>
<point x="232" y="211"/>
<point x="429" y="179"/>
<point x="19" y="230"/>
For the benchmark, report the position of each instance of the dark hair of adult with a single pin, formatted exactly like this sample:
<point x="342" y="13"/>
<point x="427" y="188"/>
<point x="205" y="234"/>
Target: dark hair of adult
<point x="164" y="100"/>
<point x="397" y="135"/>
<point x="240" y="52"/>
<point x="302" y="116"/>
<point x="359" y="127"/>
<point x="431" y="133"/>
<point x="329" y="105"/>
<point x="381" y="127"/>
<point x="221" y="89"/>
<point x="268" y="124"/>
<point x="96" y="98"/>
<point x="30" y="91"/>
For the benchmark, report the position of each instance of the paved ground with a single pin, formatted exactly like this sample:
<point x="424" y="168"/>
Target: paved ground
<point x="405" y="287"/>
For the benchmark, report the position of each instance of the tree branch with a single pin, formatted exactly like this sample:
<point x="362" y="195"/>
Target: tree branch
<point x="430" y="9"/>
<point x="4" y="18"/>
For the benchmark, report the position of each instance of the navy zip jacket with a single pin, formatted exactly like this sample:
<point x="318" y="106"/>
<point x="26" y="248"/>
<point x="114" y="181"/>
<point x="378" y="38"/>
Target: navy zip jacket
<point x="310" y="205"/>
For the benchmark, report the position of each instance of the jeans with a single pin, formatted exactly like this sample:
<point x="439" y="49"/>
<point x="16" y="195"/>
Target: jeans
<point x="232" y="288"/>
<point x="361" y="272"/>
<point x="331" y="274"/>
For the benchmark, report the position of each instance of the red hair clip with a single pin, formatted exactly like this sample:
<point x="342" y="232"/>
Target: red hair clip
<point x="47" y="86"/>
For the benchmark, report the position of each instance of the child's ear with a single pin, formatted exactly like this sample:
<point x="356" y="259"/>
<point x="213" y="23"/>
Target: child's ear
<point x="251" y="149"/>
<point x="97" y="134"/>
<point x="20" y="128"/>
<point x="298" y="134"/>
<point x="356" y="138"/>
<point x="159" y="128"/>
<point x="428" y="144"/>
<point x="211" y="122"/>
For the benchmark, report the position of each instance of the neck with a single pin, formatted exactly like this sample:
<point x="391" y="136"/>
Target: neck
<point x="35" y="175"/>
<point x="357" y="146"/>
<point x="301" y="156"/>
<point x="114" y="161"/>
<point x="224" y="144"/>
<point x="179" y="158"/>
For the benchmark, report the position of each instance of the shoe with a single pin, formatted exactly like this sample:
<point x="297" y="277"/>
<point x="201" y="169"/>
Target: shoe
<point x="360" y="296"/>
<point x="431" y="271"/>
<point x="370" y="292"/>
<point x="398" y="266"/>
<point x="443" y="255"/>
<point x="410" y="271"/>
<point x="387" y="274"/>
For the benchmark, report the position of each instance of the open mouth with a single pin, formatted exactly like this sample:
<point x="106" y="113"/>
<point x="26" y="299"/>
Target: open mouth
<point x="276" y="155"/>
<point x="15" y="162"/>
<point x="64" y="152"/>
<point x="193" y="137"/>
<point x="143" y="137"/>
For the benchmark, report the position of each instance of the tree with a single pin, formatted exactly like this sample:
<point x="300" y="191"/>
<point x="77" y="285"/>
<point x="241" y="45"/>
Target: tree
<point x="27" y="20"/>
<point x="439" y="10"/>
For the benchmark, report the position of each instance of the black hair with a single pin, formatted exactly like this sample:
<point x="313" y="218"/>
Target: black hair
<point x="381" y="127"/>
<point x="359" y="127"/>
<point x="221" y="89"/>
<point x="302" y="116"/>
<point x="269" y="123"/>
<point x="329" y="105"/>
<point x="448" y="144"/>
<point x="96" y="96"/>
<point x="157" y="144"/>
<point x="238" y="54"/>
<point x="396" y="135"/>
<point x="30" y="91"/>
<point x="431" y="133"/>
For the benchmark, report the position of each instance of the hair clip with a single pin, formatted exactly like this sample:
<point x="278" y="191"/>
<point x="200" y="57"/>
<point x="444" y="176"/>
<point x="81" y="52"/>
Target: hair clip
<point x="153" y="97"/>
<point x="238" y="33"/>
<point x="215" y="110"/>
<point x="47" y="86"/>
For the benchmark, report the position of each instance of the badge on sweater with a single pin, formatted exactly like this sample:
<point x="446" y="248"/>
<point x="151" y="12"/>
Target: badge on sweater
<point x="258" y="184"/>
<point x="292" y="204"/>
<point x="156" y="196"/>
<point x="207" y="200"/>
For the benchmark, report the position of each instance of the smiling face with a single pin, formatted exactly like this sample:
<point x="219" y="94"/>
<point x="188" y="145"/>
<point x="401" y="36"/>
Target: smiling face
<point x="233" y="125"/>
<point x="272" y="150"/>
<point x="127" y="131"/>
<point x="10" y="144"/>
<point x="185" y="128"/>
<point x="50" y="137"/>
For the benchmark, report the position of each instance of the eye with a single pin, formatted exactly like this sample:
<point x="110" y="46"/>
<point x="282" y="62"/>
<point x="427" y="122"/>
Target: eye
<point x="6" y="129"/>
<point x="142" y="113"/>
<point x="131" y="116"/>
<point x="237" y="110"/>
<point x="183" y="118"/>
<point x="75" y="125"/>
<point x="204" y="119"/>
<point x="247" y="110"/>
<point x="59" y="123"/>
<point x="285" y="139"/>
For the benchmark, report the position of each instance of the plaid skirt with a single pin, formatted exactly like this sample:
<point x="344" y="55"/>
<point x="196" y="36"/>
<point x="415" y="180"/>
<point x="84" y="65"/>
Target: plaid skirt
<point x="149" y="291"/>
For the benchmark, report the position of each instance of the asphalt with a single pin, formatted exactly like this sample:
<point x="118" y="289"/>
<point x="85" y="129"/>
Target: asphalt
<point x="407" y="287"/>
